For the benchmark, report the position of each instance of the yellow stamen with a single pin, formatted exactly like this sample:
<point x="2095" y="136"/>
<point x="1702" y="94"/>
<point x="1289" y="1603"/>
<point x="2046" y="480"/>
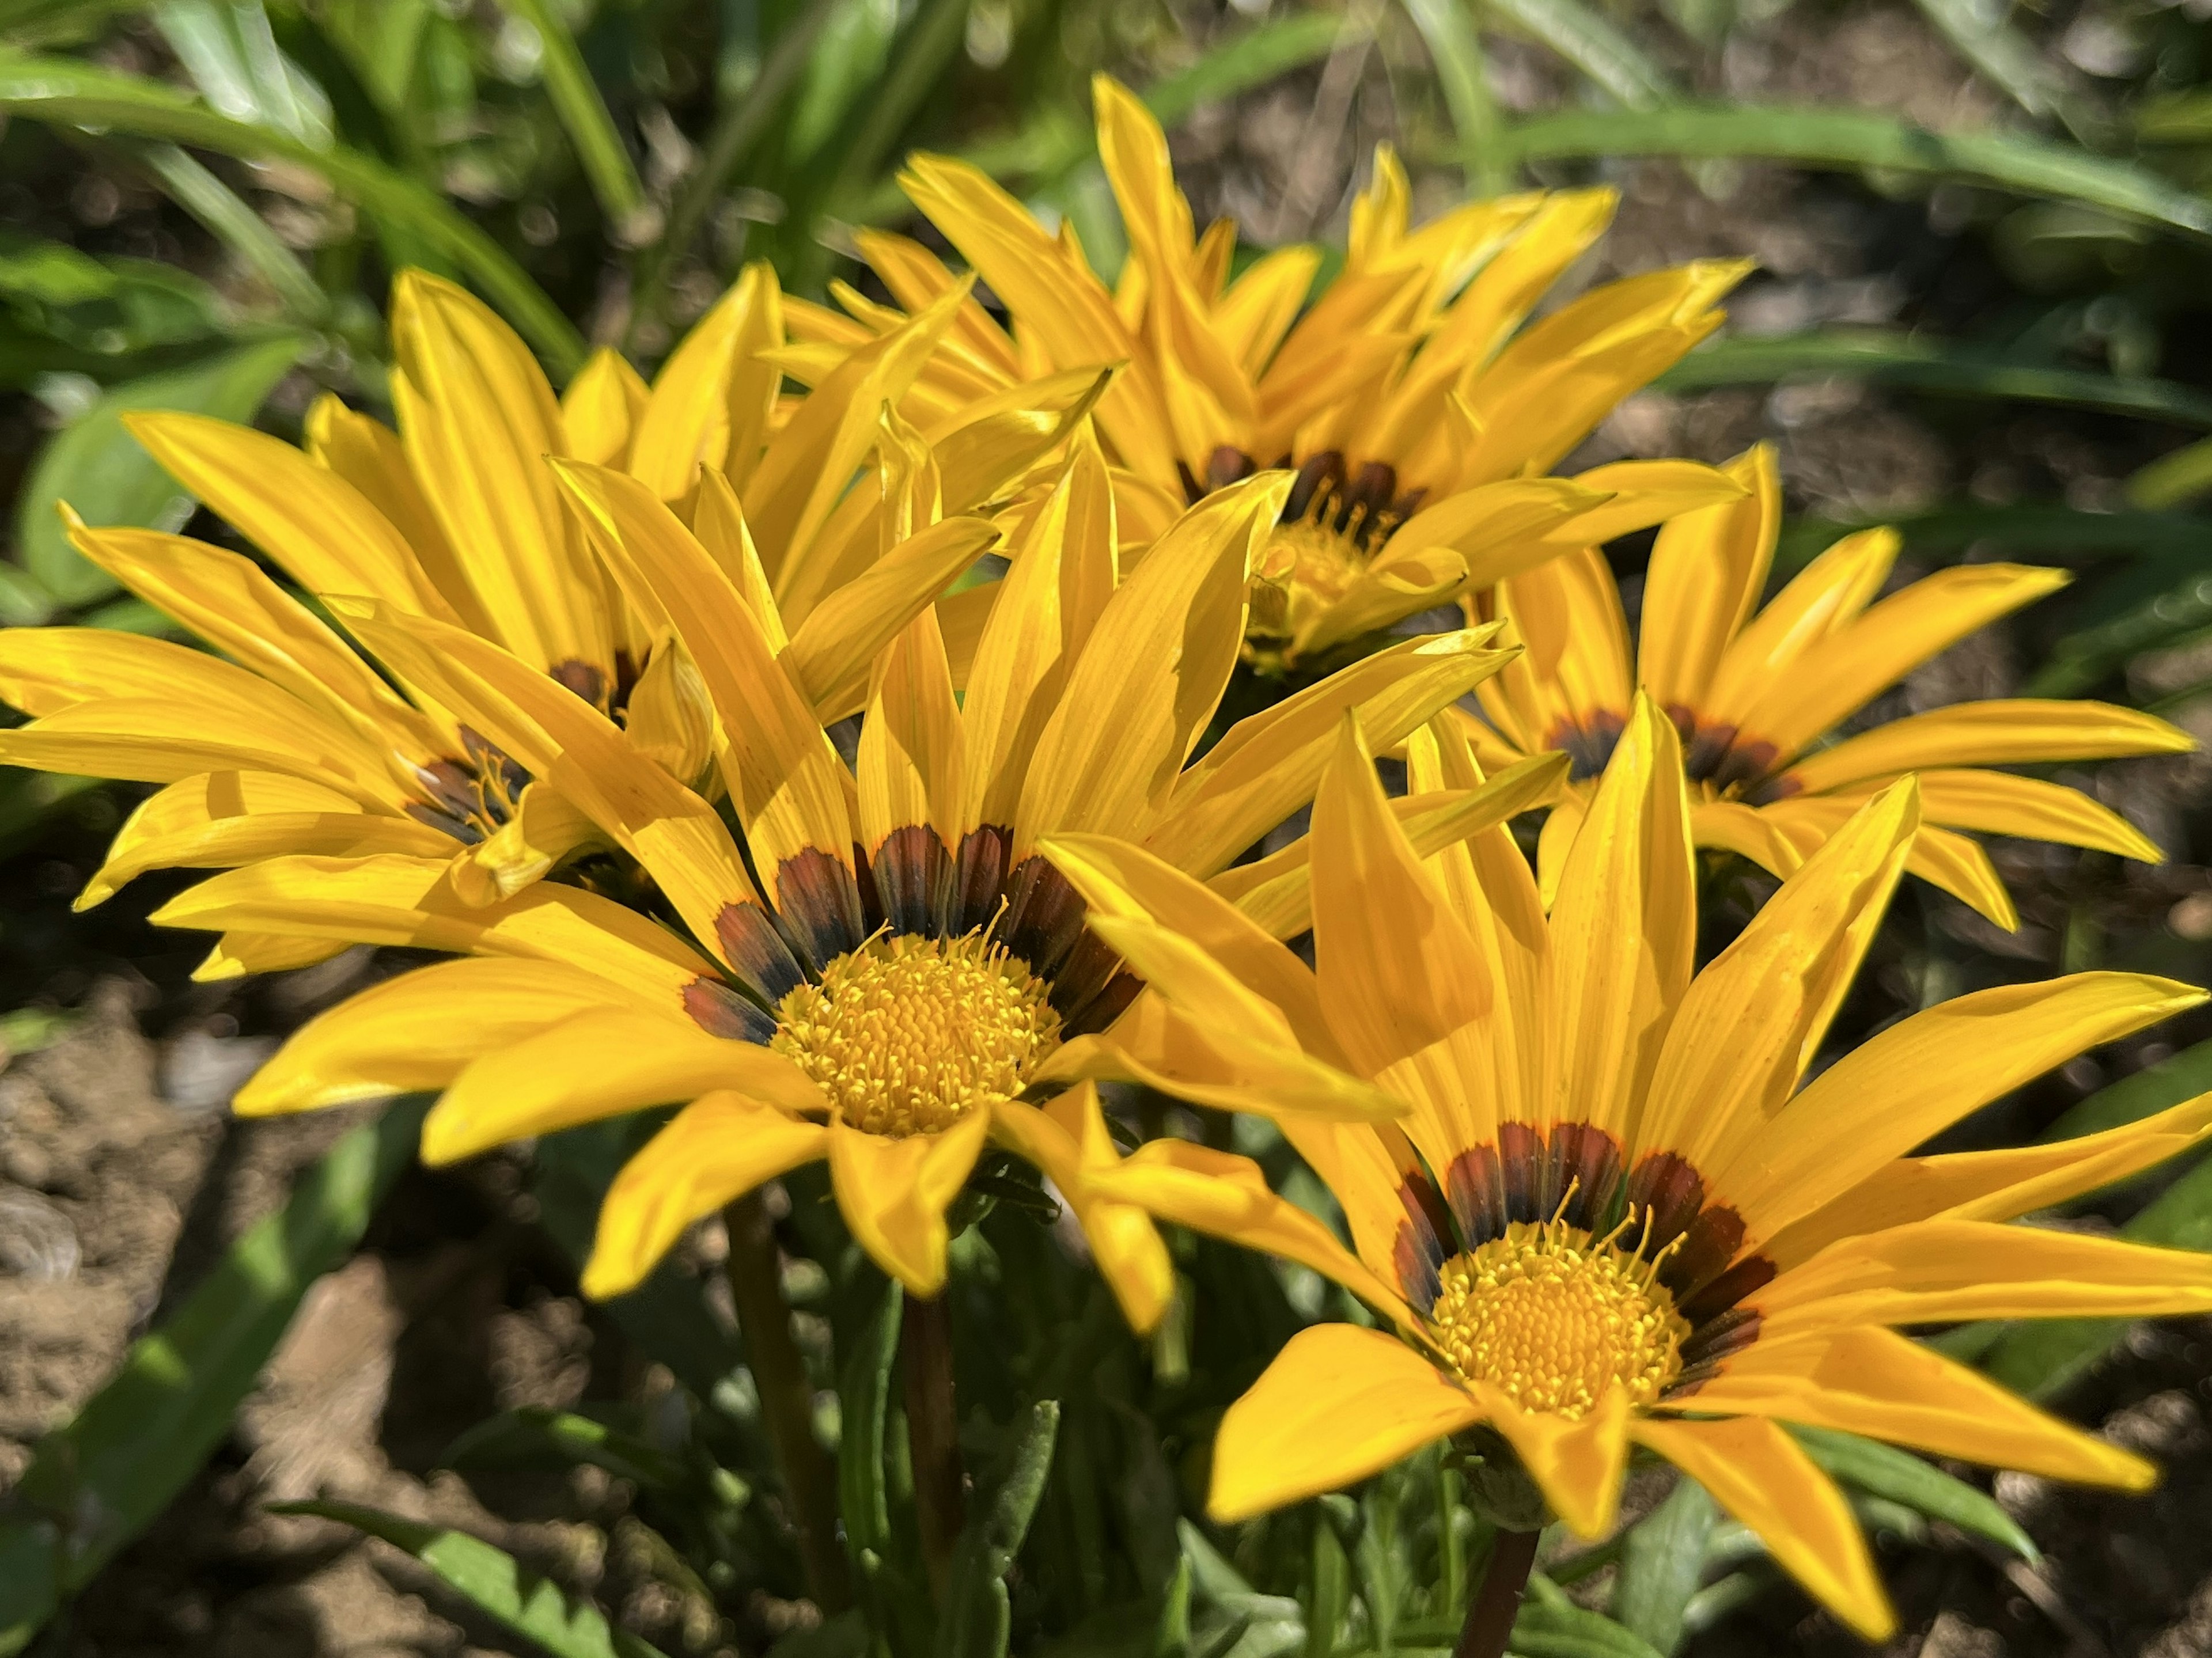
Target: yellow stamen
<point x="1553" y="1317"/>
<point x="909" y="1034"/>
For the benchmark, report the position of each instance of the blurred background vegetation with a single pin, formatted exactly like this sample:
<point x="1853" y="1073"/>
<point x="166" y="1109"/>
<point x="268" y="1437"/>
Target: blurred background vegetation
<point x="1985" y="239"/>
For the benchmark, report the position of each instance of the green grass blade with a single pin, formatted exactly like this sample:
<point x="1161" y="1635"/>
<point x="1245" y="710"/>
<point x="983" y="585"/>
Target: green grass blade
<point x="584" y="117"/>
<point x="2024" y="530"/>
<point x="95" y="1484"/>
<point x="1891" y="357"/>
<point x="1661" y="1564"/>
<point x="100" y="469"/>
<point x="977" y="1612"/>
<point x="1844" y="139"/>
<point x="493" y="1582"/>
<point x="2169" y="599"/>
<point x="1595" y="45"/>
<point x="1550" y="1625"/>
<point x="70" y="94"/>
<point x="2153" y="1088"/>
<point x="2008" y="60"/>
<point x="864" y="1392"/>
<point x="238" y="227"/>
<point x="2173" y="480"/>
<point x="1455" y="48"/>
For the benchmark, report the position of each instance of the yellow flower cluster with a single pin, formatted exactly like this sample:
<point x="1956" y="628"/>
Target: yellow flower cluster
<point x="522" y="639"/>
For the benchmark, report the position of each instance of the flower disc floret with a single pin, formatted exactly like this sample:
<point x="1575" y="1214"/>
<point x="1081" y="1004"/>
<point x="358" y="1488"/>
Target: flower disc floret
<point x="907" y="1035"/>
<point x="1553" y="1317"/>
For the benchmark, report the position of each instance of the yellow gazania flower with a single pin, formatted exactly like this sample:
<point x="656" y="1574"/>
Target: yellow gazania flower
<point x="1418" y="411"/>
<point x="296" y="745"/>
<point x="1754" y="695"/>
<point x="906" y="966"/>
<point x="1616" y="1213"/>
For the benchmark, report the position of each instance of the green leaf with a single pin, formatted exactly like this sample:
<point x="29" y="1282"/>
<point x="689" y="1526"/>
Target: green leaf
<point x="863" y="1392"/>
<point x="977" y="1619"/>
<point x="100" y="469"/>
<point x="1455" y="48"/>
<point x="2175" y="479"/>
<point x="2021" y="530"/>
<point x="2041" y="1357"/>
<point x="1551" y="1626"/>
<point x="583" y="115"/>
<point x="1847" y="138"/>
<point x="70" y="94"/>
<point x="1660" y="1563"/>
<point x="492" y="1580"/>
<point x="2182" y="1077"/>
<point x="848" y="56"/>
<point x="1171" y="1633"/>
<point x="1889" y="357"/>
<point x="95" y="1484"/>
<point x="535" y="1437"/>
<point x="1884" y="1471"/>
<point x="2170" y="598"/>
<point x="2008" y="58"/>
<point x="246" y="233"/>
<point x="1593" y="44"/>
<point x="231" y="52"/>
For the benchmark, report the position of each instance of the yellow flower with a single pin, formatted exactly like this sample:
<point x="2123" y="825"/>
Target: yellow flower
<point x="296" y="745"/>
<point x="1417" y="405"/>
<point x="1754" y="695"/>
<point x="1616" y="1213"/>
<point x="888" y="967"/>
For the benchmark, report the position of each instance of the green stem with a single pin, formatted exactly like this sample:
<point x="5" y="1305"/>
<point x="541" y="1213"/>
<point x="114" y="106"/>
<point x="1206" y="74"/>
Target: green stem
<point x="584" y="114"/>
<point x="787" y="1399"/>
<point x="1489" y="1614"/>
<point x="940" y="1497"/>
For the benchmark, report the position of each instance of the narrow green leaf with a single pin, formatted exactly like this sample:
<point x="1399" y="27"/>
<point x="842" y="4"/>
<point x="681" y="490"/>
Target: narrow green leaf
<point x="68" y="93"/>
<point x="2161" y="614"/>
<point x="1884" y="1471"/>
<point x="2175" y="479"/>
<point x="492" y="1580"/>
<point x="1890" y="357"/>
<point x="1551" y="1626"/>
<point x="1661" y="1564"/>
<point x="231" y="53"/>
<point x="2022" y="530"/>
<point x="98" y="468"/>
<point x="1847" y="138"/>
<point x="2041" y="1357"/>
<point x="2008" y="60"/>
<point x="977" y="1617"/>
<point x="1171" y="1633"/>
<point x="535" y="1437"/>
<point x="2181" y="1076"/>
<point x="849" y="56"/>
<point x="584" y="117"/>
<point x="1593" y="44"/>
<point x="237" y="226"/>
<point x="863" y="1392"/>
<point x="95" y="1484"/>
<point x="1463" y="74"/>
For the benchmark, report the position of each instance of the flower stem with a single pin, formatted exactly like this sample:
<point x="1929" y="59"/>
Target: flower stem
<point x="1490" y="1615"/>
<point x="787" y="1399"/>
<point x="940" y="1497"/>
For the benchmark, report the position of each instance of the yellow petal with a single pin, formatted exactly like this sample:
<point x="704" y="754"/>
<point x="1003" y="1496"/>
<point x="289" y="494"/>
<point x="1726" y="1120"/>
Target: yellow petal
<point x="1823" y="598"/>
<point x="1622" y="928"/>
<point x="1500" y="529"/>
<point x="829" y="655"/>
<point x="1998" y="803"/>
<point x="715" y="1150"/>
<point x="2003" y="732"/>
<point x="546" y="827"/>
<point x="238" y="955"/>
<point x="1751" y="1022"/>
<point x="1338" y="1404"/>
<point x="1708" y="568"/>
<point x="220" y="820"/>
<point x="149" y="740"/>
<point x="1763" y="1478"/>
<point x="45" y="670"/>
<point x="1923" y="1074"/>
<point x="599" y="1064"/>
<point x="893" y="1194"/>
<point x="1877" y="1383"/>
<point x="1577" y="1463"/>
<point x="1644" y="493"/>
<point x="408" y="901"/>
<point x="600" y="409"/>
<point x="709" y="404"/>
<point x="1396" y="970"/>
<point x="320" y="529"/>
<point x="416" y="1032"/>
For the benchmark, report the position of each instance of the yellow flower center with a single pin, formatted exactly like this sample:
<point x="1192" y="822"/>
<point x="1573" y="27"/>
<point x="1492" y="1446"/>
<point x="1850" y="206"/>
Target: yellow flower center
<point x="1305" y="568"/>
<point x="1553" y="1317"/>
<point x="907" y="1035"/>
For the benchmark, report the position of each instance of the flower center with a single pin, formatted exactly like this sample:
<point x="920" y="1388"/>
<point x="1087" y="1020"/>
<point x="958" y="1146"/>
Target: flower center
<point x="907" y="1035"/>
<point x="1552" y="1318"/>
<point x="1305" y="568"/>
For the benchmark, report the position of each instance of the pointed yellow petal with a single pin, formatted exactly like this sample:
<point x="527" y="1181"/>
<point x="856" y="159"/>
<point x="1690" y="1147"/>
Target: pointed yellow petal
<point x="415" y="1033"/>
<point x="715" y="1150"/>
<point x="1762" y="1478"/>
<point x="1824" y="597"/>
<point x="149" y="740"/>
<point x="1998" y="803"/>
<point x="239" y="954"/>
<point x="893" y="1194"/>
<point x="1576" y="1463"/>
<point x="600" y="409"/>
<point x="1338" y="1404"/>
<point x="1644" y="493"/>
<point x="1708" y="568"/>
<point x="2000" y="732"/>
<point x="1923" y="1074"/>
<point x="829" y="655"/>
<point x="547" y="827"/>
<point x="45" y="670"/>
<point x="709" y="405"/>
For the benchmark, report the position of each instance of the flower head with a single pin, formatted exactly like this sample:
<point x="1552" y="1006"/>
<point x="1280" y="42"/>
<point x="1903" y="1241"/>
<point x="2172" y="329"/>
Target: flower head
<point x="1757" y="693"/>
<point x="1415" y="402"/>
<point x="1615" y="1212"/>
<point x="887" y="973"/>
